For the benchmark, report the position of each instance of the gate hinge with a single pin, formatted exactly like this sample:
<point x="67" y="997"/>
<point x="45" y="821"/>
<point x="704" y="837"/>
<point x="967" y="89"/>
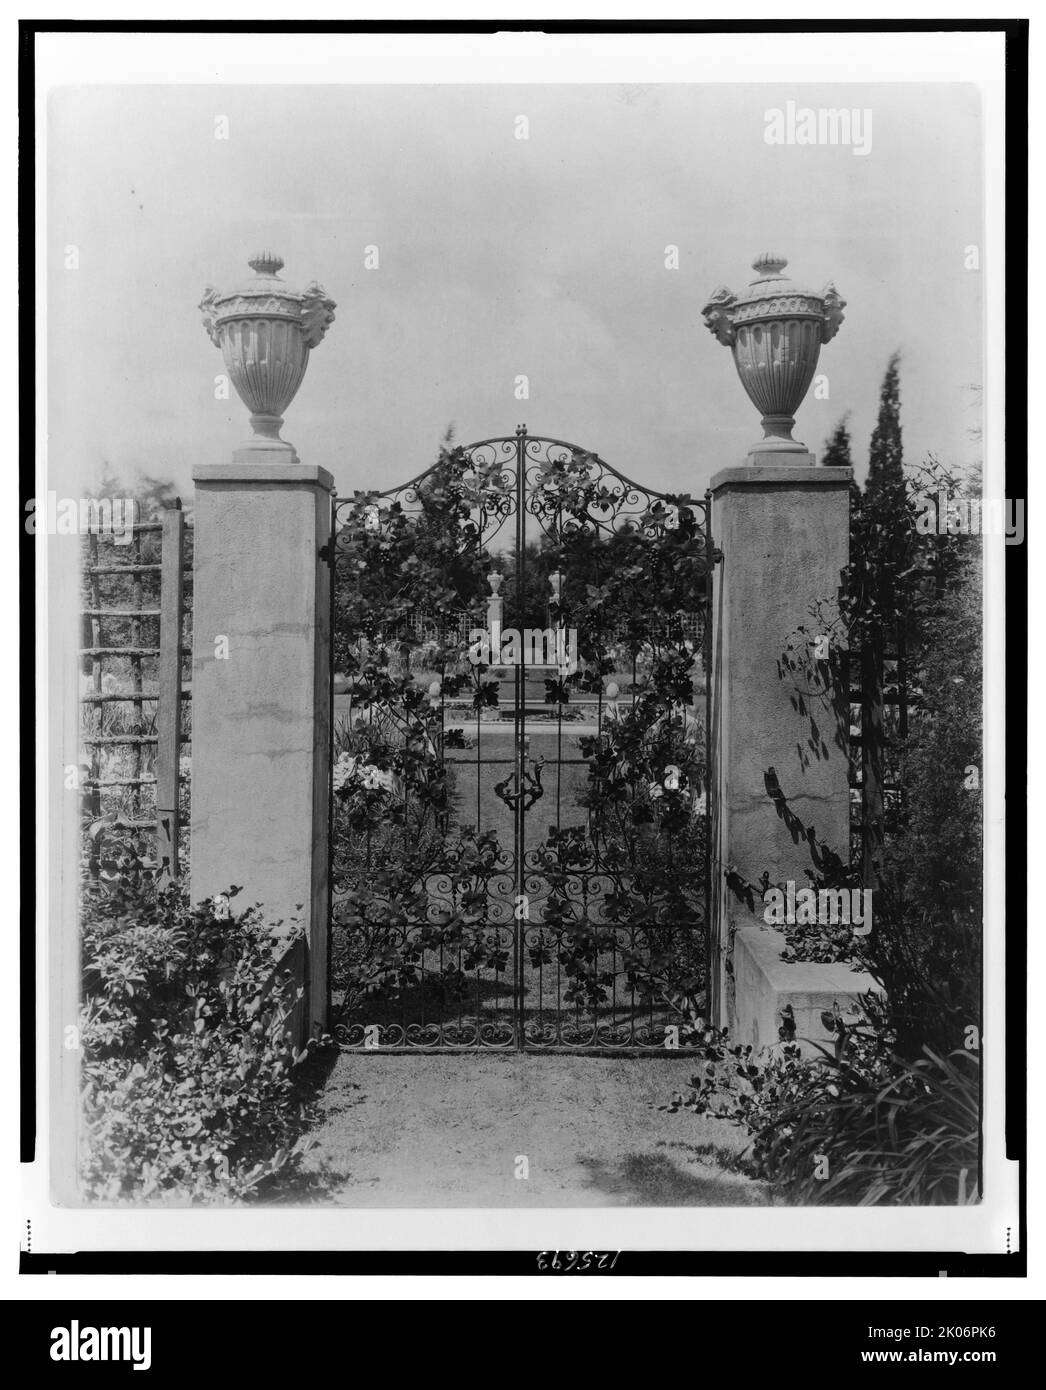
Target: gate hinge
<point x="717" y="555"/>
<point x="326" y="552"/>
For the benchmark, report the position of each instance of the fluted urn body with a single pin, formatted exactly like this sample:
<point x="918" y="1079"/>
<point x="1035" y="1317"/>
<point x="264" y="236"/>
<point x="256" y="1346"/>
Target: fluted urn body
<point x="775" y="330"/>
<point x="266" y="331"/>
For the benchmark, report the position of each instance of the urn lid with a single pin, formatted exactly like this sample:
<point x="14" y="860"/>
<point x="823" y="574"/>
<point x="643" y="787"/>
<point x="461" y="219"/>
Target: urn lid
<point x="771" y="283"/>
<point x="266" y="280"/>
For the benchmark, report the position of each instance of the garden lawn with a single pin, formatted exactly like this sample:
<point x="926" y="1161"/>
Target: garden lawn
<point x="424" y="1130"/>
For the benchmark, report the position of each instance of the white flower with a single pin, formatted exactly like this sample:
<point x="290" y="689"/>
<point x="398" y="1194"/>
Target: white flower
<point x="344" y="770"/>
<point x="350" y="768"/>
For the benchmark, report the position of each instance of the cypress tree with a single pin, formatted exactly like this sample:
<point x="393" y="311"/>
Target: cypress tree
<point x="837" y="455"/>
<point x="837" y="448"/>
<point x="886" y="457"/>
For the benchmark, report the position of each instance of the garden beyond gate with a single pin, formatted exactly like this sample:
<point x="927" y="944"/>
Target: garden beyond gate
<point x="520" y="790"/>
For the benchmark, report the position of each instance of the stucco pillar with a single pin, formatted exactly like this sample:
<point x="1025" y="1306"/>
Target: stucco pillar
<point x="261" y="696"/>
<point x="784" y="537"/>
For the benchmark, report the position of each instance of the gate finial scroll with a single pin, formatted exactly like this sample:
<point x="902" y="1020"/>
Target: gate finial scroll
<point x="775" y="330"/>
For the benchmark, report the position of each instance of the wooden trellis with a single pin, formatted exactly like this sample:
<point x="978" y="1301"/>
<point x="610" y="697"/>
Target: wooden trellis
<point x="882" y="683"/>
<point x="135" y="614"/>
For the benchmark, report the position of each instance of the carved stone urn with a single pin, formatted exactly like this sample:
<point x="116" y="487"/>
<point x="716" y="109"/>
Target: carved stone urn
<point x="266" y="331"/>
<point x="775" y="330"/>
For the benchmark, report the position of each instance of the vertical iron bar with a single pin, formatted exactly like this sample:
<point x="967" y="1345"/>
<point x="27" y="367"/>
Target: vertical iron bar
<point x="479" y="744"/>
<point x="519" y="729"/>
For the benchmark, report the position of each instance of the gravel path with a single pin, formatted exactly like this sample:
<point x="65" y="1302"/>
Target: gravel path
<point x="448" y="1131"/>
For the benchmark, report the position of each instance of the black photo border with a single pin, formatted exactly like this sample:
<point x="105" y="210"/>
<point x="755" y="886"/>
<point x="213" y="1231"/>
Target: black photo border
<point x="747" y="1264"/>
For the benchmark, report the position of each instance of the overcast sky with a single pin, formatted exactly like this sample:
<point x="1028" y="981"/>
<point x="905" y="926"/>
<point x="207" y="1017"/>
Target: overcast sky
<point x="501" y="257"/>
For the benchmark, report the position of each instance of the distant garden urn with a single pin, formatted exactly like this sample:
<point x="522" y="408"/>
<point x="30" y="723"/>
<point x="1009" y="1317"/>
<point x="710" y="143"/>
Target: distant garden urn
<point x="775" y="330"/>
<point x="266" y="331"/>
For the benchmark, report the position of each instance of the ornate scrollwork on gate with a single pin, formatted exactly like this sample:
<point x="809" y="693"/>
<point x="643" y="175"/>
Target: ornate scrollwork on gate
<point x="489" y="894"/>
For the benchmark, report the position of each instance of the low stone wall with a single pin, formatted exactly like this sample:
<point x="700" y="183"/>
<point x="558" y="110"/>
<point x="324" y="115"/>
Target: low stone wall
<point x="765" y="984"/>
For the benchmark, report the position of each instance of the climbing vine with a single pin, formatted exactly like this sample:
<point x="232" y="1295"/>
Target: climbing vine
<point x="423" y="896"/>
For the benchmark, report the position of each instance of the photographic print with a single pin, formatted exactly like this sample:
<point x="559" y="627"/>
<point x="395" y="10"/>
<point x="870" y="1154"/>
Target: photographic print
<point x="524" y="560"/>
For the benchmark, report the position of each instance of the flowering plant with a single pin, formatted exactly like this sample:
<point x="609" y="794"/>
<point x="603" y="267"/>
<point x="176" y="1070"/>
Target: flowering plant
<point x="352" y="773"/>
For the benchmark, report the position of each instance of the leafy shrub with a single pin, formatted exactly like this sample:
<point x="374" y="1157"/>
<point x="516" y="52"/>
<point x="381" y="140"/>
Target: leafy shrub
<point x="861" y="1126"/>
<point x="929" y="953"/>
<point x="189" y="1092"/>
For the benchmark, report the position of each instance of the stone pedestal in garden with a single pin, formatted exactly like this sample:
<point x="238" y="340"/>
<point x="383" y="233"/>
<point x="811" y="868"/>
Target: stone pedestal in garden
<point x="261" y="697"/>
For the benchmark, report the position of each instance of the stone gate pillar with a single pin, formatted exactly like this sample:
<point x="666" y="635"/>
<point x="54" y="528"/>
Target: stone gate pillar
<point x="782" y="526"/>
<point x="784" y="537"/>
<point x="261" y="697"/>
<point x="261" y="636"/>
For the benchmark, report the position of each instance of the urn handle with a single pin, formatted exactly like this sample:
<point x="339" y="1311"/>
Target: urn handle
<point x="834" y="304"/>
<point x="718" y="313"/>
<point x="208" y="309"/>
<point x="317" y="313"/>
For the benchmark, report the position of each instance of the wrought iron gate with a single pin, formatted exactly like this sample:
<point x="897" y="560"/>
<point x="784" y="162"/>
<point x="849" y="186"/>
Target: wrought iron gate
<point x="520" y="789"/>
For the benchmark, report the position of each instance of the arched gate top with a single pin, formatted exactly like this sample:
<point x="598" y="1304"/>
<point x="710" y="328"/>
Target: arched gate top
<point x="524" y="462"/>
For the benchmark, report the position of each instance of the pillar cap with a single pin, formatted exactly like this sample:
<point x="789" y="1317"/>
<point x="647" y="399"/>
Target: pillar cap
<point x="777" y="475"/>
<point x="292" y="473"/>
